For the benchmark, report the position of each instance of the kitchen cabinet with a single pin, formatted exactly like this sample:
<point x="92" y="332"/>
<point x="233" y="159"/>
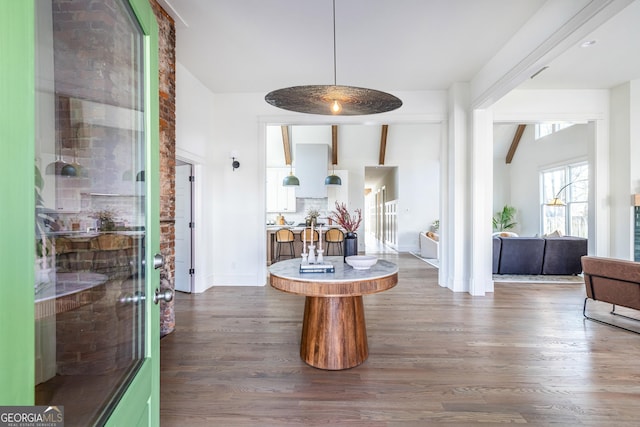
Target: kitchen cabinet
<point x="280" y="199"/>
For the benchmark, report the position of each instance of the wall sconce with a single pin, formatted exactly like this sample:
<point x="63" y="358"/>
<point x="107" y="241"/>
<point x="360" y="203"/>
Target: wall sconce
<point x="235" y="164"/>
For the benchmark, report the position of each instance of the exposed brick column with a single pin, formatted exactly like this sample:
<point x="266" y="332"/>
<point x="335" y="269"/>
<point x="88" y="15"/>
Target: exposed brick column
<point x="167" y="71"/>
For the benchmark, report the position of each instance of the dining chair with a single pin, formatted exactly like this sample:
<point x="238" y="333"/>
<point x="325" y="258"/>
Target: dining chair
<point x="334" y="236"/>
<point x="306" y="236"/>
<point x="284" y="237"/>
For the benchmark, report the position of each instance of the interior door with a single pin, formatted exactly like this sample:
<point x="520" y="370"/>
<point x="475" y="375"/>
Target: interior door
<point x="183" y="228"/>
<point x="82" y="316"/>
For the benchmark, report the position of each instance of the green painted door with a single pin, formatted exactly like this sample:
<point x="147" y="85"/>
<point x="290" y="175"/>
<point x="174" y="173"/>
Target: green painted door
<point x="78" y="324"/>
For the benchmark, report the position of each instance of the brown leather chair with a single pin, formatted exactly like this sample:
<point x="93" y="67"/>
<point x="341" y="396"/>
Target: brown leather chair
<point x="334" y="237"/>
<point x="285" y="237"/>
<point x="613" y="281"/>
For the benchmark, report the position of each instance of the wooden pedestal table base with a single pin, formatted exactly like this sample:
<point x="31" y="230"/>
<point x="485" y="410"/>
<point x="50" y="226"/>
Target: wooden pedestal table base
<point x="334" y="333"/>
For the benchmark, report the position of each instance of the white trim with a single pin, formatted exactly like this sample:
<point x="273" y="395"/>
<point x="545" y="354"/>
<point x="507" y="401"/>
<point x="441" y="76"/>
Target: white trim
<point x="578" y="23"/>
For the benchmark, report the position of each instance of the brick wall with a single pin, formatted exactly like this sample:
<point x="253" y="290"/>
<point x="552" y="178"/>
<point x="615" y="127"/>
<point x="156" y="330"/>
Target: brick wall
<point x="167" y="70"/>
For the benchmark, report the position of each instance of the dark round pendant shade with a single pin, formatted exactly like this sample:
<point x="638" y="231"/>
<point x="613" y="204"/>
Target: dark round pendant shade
<point x="290" y="180"/>
<point x="61" y="168"/>
<point x="333" y="180"/>
<point x="333" y="100"/>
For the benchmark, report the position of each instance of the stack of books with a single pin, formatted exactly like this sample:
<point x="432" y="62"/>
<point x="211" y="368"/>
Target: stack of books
<point x="317" y="268"/>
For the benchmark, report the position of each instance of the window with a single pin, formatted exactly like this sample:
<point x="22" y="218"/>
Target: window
<point x="544" y="129"/>
<point x="567" y="187"/>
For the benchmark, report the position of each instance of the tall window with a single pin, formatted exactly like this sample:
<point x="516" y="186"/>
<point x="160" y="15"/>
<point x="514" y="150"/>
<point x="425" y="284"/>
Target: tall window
<point x="568" y="187"/>
<point x="544" y="129"/>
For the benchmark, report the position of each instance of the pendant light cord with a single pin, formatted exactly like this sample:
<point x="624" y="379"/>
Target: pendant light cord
<point x="334" y="44"/>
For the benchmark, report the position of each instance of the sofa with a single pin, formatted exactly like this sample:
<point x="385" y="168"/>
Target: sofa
<point x="538" y="255"/>
<point x="613" y="281"/>
<point x="429" y="245"/>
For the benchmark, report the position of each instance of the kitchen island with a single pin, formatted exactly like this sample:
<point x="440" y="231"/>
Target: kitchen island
<point x="297" y="244"/>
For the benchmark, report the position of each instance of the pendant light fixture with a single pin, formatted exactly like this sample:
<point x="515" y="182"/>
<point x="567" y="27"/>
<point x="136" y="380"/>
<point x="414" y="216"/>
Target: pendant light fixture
<point x="62" y="168"/>
<point x="333" y="179"/>
<point x="290" y="180"/>
<point x="333" y="99"/>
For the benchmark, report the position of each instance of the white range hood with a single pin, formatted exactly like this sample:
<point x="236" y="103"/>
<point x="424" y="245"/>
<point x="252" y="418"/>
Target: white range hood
<point x="311" y="162"/>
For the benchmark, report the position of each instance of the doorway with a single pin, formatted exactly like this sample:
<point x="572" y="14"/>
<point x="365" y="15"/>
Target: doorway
<point x="184" y="226"/>
<point x="380" y="207"/>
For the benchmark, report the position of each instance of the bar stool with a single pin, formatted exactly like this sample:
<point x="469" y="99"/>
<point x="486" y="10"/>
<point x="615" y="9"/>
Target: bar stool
<point x="305" y="235"/>
<point x="284" y="236"/>
<point x="334" y="236"/>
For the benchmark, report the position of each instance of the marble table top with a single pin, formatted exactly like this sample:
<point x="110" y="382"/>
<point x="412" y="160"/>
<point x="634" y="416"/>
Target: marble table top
<point x="290" y="269"/>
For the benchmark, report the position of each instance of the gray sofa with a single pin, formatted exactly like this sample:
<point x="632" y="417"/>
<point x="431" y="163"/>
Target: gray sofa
<point x="538" y="255"/>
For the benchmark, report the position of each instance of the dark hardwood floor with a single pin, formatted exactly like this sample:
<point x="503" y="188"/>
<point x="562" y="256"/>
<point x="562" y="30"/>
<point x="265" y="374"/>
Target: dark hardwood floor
<point x="523" y="354"/>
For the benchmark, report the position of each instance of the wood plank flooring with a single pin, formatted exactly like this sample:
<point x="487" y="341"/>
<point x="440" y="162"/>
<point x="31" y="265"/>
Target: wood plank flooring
<point x="523" y="354"/>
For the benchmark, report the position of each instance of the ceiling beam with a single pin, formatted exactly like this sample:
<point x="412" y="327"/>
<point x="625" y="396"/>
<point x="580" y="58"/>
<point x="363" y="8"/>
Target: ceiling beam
<point x="514" y="143"/>
<point x="383" y="144"/>
<point x="286" y="145"/>
<point x="334" y="144"/>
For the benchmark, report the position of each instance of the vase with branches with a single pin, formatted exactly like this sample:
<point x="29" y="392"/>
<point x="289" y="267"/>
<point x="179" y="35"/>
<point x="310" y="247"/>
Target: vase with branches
<point x="350" y="223"/>
<point x="344" y="219"/>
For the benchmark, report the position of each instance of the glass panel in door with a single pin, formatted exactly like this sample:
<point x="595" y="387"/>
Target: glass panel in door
<point x="90" y="205"/>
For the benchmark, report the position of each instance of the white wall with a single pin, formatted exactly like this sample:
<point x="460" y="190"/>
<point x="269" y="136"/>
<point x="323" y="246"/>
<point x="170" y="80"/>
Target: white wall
<point x="592" y="106"/>
<point x="501" y="184"/>
<point x="625" y="176"/>
<point x="230" y="237"/>
<point x="566" y="146"/>
<point x="194" y="134"/>
<point x="413" y="148"/>
<point x="231" y="248"/>
<point x="237" y="198"/>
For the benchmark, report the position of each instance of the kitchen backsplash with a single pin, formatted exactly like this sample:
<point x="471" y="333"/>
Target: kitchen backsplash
<point x="302" y="206"/>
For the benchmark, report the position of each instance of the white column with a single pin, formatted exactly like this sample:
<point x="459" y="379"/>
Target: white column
<point x="600" y="195"/>
<point x="481" y="161"/>
<point x="454" y="227"/>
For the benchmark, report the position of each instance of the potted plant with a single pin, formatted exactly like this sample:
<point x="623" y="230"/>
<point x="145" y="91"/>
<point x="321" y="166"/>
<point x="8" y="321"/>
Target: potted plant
<point x="504" y="220"/>
<point x="106" y="219"/>
<point x="350" y="224"/>
<point x="312" y="216"/>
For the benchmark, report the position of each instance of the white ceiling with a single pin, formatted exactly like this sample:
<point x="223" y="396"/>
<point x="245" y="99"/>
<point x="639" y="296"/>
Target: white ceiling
<point x="259" y="46"/>
<point x="391" y="45"/>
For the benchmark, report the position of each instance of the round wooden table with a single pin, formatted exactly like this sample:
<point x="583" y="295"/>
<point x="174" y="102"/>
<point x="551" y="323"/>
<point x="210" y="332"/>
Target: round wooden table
<point x="334" y="332"/>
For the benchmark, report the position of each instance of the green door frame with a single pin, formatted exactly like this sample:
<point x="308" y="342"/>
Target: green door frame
<point x="140" y="404"/>
<point x="17" y="231"/>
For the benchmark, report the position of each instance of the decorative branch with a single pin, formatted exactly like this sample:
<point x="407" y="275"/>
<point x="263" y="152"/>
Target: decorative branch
<point x="344" y="219"/>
